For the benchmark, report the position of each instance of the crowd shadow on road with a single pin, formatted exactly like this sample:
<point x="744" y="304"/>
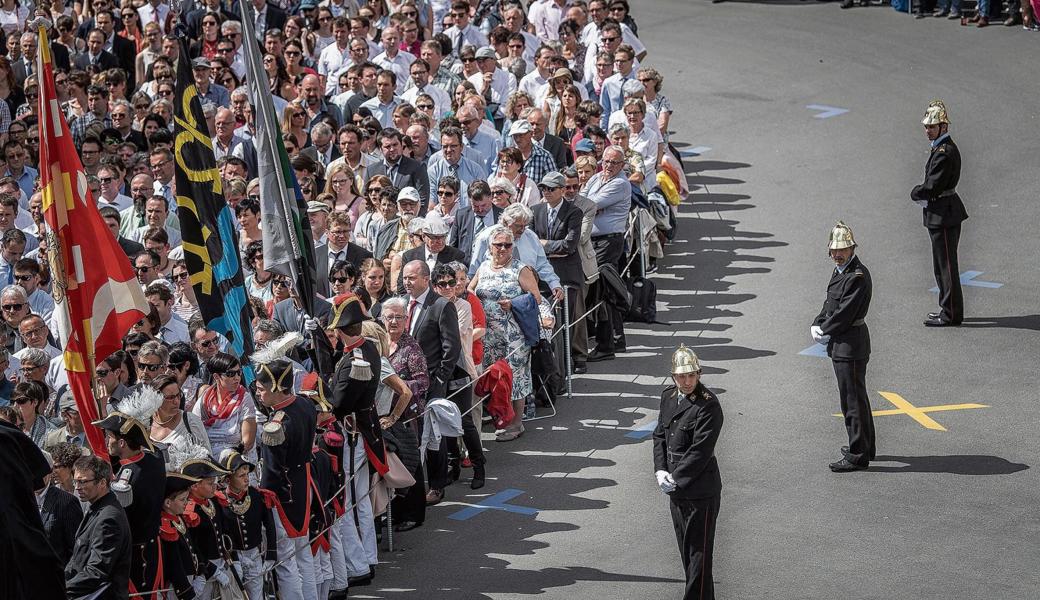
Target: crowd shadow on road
<point x="1027" y="322"/>
<point x="957" y="464"/>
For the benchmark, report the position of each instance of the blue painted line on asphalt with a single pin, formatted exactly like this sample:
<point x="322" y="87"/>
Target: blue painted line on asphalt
<point x="818" y="350"/>
<point x="643" y="431"/>
<point x="826" y="111"/>
<point x="696" y="151"/>
<point x="495" y="502"/>
<point x="968" y="279"/>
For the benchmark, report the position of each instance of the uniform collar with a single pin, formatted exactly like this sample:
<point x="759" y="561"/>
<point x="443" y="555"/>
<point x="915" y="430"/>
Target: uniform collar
<point x="942" y="138"/>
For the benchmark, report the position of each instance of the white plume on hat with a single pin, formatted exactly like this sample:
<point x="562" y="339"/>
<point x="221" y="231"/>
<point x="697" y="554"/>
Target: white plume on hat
<point x="141" y="404"/>
<point x="278" y="348"/>
<point x="182" y="453"/>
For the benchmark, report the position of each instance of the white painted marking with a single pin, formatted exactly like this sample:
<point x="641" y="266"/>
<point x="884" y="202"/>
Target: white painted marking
<point x="77" y="261"/>
<point x="55" y="119"/>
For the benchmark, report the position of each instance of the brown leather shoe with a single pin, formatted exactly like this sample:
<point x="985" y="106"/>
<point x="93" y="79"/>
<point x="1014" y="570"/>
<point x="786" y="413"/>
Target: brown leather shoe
<point x="983" y="22"/>
<point x="434" y="497"/>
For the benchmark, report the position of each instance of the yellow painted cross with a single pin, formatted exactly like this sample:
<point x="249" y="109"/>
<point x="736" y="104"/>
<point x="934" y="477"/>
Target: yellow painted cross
<point x="919" y="413"/>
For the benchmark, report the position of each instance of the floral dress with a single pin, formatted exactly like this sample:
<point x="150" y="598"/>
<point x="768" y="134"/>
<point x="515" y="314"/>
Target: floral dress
<point x="503" y="334"/>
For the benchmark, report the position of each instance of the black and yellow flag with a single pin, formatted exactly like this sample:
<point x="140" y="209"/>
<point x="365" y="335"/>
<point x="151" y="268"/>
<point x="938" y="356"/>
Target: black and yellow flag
<point x="208" y="231"/>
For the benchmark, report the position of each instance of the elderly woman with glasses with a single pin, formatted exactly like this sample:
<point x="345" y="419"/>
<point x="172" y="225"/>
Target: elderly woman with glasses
<point x="498" y="281"/>
<point x="226" y="407"/>
<point x="173" y="426"/>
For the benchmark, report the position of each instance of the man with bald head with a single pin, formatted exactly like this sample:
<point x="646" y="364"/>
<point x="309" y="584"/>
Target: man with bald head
<point x="312" y="95"/>
<point x="226" y="140"/>
<point x="556" y="147"/>
<point x="480" y="146"/>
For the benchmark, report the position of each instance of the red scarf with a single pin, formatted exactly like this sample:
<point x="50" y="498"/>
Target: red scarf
<point x="218" y="406"/>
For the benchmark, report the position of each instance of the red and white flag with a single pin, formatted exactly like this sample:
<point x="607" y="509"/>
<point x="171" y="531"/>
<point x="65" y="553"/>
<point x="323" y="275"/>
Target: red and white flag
<point x="96" y="295"/>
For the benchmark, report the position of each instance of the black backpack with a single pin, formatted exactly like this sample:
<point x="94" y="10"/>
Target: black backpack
<point x="644" y="300"/>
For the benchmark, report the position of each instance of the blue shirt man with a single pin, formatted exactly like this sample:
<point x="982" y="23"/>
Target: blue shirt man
<point x="612" y="193"/>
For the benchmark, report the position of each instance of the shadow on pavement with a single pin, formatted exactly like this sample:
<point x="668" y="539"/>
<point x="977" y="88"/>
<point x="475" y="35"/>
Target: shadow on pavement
<point x="957" y="464"/>
<point x="1027" y="322"/>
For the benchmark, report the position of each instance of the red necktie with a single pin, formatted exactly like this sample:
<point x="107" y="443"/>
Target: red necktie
<point x="411" y="313"/>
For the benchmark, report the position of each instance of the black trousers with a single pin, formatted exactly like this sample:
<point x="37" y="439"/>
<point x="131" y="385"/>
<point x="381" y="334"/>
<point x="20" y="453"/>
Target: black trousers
<point x="694" y="522"/>
<point x="412" y="505"/>
<point x="610" y="323"/>
<point x="437" y="460"/>
<point x="947" y="272"/>
<point x="579" y="331"/>
<point x="855" y="406"/>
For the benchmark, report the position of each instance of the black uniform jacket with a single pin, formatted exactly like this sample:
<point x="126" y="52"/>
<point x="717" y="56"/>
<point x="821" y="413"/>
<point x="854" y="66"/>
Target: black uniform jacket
<point x="248" y="517"/>
<point x="179" y="562"/>
<point x="848" y="298"/>
<point x="286" y="467"/>
<point x="941" y="175"/>
<point x="684" y="442"/>
<point x="102" y="552"/>
<point x="358" y="398"/>
<point x="206" y="532"/>
<point x="148" y="482"/>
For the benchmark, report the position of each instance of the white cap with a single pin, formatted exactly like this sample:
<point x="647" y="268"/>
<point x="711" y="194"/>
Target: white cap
<point x="409" y="193"/>
<point x="435" y="225"/>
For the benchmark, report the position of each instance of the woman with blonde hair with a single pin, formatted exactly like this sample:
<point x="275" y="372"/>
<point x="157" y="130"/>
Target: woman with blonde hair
<point x="341" y="184"/>
<point x="294" y="123"/>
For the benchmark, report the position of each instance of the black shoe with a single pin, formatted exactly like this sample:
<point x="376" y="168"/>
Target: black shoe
<point x="338" y="594"/>
<point x="934" y="315"/>
<point x="454" y="471"/>
<point x="579" y="369"/>
<point x="844" y="466"/>
<point x="938" y="322"/>
<point x="597" y="356"/>
<point x="361" y="580"/>
<point x="847" y="4"/>
<point x="919" y="15"/>
<point x="844" y="450"/>
<point x="407" y="525"/>
<point x="478" y="477"/>
<point x="620" y="347"/>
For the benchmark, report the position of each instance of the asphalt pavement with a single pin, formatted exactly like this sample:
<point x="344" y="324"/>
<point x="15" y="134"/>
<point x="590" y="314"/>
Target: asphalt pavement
<point x="949" y="509"/>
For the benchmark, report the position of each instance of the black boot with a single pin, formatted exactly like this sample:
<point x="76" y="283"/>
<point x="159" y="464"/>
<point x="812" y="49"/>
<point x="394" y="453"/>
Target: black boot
<point x="454" y="470"/>
<point x="478" y="476"/>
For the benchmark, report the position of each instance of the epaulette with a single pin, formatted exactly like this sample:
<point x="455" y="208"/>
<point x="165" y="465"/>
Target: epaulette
<point x="122" y="489"/>
<point x="941" y="148"/>
<point x="270" y="498"/>
<point x="189" y="517"/>
<point x="168" y="532"/>
<point x="273" y="433"/>
<point x="221" y="499"/>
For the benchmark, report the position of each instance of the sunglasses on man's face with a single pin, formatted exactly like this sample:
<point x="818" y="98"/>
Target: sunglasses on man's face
<point x="150" y="368"/>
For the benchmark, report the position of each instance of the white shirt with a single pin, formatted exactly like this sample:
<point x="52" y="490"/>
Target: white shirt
<point x="332" y="60"/>
<point x="531" y="83"/>
<point x="441" y="99"/>
<point x="149" y="13"/>
<point x="470" y="36"/>
<point x="399" y="64"/>
<point x="416" y="310"/>
<point x="120" y="202"/>
<point x="175" y="330"/>
<point x="503" y="83"/>
<point x="546" y="16"/>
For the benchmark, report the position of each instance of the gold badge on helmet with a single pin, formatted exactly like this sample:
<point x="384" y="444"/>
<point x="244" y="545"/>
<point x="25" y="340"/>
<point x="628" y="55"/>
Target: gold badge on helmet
<point x="935" y="114"/>
<point x="840" y="237"/>
<point x="685" y="360"/>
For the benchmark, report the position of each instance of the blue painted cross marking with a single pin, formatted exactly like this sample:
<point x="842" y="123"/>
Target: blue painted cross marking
<point x="643" y="431"/>
<point x="818" y="350"/>
<point x="696" y="151"/>
<point x="496" y="502"/>
<point x="826" y="111"/>
<point x="968" y="279"/>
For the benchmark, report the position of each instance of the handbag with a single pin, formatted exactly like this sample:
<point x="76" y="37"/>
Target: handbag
<point x="398" y="476"/>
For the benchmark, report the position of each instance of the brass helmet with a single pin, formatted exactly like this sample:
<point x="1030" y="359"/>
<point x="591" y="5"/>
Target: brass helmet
<point x="841" y="237"/>
<point x="685" y="361"/>
<point x="935" y="114"/>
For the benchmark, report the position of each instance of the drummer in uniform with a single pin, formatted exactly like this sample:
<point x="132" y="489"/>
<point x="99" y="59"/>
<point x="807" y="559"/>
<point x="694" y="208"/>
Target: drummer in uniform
<point x="354" y="386"/>
<point x="841" y="326"/>
<point x="285" y="457"/>
<point x="139" y="485"/>
<point x="688" y="426"/>
<point x="943" y="214"/>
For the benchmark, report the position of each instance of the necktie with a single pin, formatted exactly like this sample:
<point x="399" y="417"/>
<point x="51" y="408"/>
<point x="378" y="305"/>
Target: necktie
<point x="411" y="313"/>
<point x="453" y="170"/>
<point x="552" y="217"/>
<point x="391" y="172"/>
<point x="28" y="68"/>
<point x="458" y="43"/>
<point x="478" y="224"/>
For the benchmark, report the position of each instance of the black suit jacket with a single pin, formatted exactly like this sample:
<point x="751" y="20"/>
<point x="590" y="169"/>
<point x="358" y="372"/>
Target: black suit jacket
<point x="61" y="516"/>
<point x="125" y="52"/>
<point x="463" y="230"/>
<point x="941" y="174"/>
<point x="354" y="254"/>
<point x="563" y="238"/>
<point x="18" y="68"/>
<point x="129" y="246"/>
<point x="106" y="61"/>
<point x="443" y="257"/>
<point x="437" y="331"/>
<point x="684" y="442"/>
<point x="558" y="149"/>
<point x="102" y="552"/>
<point x="311" y="152"/>
<point x="410" y="172"/>
<point x="60" y="55"/>
<point x="848" y="299"/>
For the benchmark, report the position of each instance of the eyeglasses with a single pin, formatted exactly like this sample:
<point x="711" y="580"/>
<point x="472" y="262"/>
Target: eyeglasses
<point x="339" y="279"/>
<point x="292" y="53"/>
<point x="446" y="283"/>
<point x="445" y="193"/>
<point x="179" y="276"/>
<point x="280" y="283"/>
<point x="160" y="164"/>
<point x="141" y="106"/>
<point x="150" y="368"/>
<point x="613" y="162"/>
<point x="102" y="372"/>
<point x="142" y="270"/>
<point x="394" y="318"/>
<point x="503" y="245"/>
<point x="609" y="40"/>
<point x="468" y="59"/>
<point x="233" y="373"/>
<point x="78" y="483"/>
<point x="29" y="368"/>
<point x="424" y="106"/>
<point x="176" y="396"/>
<point x="13" y="307"/>
<point x="208" y="343"/>
<point x="34" y="331"/>
<point x="22" y="277"/>
<point x="499" y="193"/>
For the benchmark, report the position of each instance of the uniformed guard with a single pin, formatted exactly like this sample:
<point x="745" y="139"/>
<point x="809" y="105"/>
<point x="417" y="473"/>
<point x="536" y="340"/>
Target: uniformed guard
<point x="213" y="572"/>
<point x="841" y="326"/>
<point x="943" y="214"/>
<point x="248" y="520"/>
<point x="684" y="462"/>
<point x="179" y="562"/>
<point x="354" y="386"/>
<point x="139" y="484"/>
<point x="285" y="458"/>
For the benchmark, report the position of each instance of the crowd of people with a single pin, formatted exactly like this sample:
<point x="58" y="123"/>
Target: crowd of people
<point x="477" y="175"/>
<point x="1009" y="12"/>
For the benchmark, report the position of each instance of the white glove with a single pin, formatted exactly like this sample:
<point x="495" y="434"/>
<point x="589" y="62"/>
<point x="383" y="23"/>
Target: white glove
<point x="817" y="334"/>
<point x="311" y="324"/>
<point x="665" y="481"/>
<point x="222" y="577"/>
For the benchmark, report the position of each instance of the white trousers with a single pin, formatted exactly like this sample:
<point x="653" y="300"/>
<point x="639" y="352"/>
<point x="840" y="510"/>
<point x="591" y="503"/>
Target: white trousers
<point x="252" y="565"/>
<point x="336" y="556"/>
<point x="296" y="579"/>
<point x="359" y="547"/>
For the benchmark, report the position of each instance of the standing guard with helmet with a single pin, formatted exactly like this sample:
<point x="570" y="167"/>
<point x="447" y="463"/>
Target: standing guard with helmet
<point x="841" y="326"/>
<point x="684" y="462"/>
<point x="943" y="214"/>
<point x="140" y="484"/>
<point x="354" y="386"/>
<point x="285" y="456"/>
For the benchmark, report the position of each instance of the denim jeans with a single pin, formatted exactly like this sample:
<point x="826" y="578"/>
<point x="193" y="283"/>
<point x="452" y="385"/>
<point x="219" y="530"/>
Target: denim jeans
<point x="950" y="5"/>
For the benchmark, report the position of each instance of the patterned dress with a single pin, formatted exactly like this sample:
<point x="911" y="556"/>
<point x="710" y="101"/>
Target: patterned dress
<point x="503" y="334"/>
